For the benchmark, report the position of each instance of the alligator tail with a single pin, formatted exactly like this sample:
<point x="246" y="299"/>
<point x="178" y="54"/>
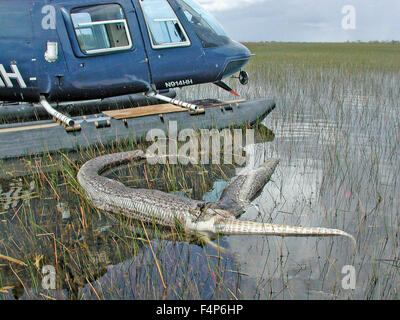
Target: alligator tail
<point x="238" y="227"/>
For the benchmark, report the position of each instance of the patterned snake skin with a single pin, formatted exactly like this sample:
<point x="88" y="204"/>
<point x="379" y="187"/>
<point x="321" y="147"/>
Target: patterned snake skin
<point x="205" y="218"/>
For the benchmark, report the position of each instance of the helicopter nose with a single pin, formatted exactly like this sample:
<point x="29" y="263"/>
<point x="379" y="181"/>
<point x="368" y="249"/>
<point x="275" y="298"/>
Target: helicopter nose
<point x="238" y="58"/>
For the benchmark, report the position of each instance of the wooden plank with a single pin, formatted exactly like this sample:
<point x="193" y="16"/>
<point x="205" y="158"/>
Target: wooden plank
<point x="143" y="111"/>
<point x="32" y="127"/>
<point x="156" y="109"/>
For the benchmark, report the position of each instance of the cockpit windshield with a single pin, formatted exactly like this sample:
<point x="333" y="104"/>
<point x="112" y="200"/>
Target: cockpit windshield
<point x="207" y="28"/>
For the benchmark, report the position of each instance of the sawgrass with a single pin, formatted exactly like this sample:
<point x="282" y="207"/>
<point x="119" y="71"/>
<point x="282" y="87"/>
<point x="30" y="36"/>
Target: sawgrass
<point x="82" y="246"/>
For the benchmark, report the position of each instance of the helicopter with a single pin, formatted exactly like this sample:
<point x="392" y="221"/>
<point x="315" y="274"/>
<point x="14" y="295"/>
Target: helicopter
<point x="54" y="51"/>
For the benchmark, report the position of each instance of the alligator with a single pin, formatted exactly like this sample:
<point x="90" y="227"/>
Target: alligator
<point x="207" y="219"/>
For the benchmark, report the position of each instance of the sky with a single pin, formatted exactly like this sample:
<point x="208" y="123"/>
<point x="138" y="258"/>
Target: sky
<point x="308" y="20"/>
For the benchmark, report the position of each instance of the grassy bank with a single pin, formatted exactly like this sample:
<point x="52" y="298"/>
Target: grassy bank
<point x="350" y="56"/>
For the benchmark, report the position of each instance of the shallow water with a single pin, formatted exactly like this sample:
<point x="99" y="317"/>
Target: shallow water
<point x="338" y="145"/>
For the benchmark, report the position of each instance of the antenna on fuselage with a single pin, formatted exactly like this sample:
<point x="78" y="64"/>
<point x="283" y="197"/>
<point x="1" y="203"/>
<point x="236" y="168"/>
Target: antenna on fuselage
<point x="224" y="86"/>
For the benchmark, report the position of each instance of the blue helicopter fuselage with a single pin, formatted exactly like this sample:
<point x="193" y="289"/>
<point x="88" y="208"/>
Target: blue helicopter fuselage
<point x="90" y="49"/>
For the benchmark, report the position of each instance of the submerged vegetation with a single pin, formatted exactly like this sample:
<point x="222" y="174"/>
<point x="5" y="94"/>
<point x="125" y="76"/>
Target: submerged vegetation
<point x="336" y="131"/>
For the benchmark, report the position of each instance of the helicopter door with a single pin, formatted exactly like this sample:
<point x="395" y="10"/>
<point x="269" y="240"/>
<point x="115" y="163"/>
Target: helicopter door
<point x="175" y="60"/>
<point x="108" y="57"/>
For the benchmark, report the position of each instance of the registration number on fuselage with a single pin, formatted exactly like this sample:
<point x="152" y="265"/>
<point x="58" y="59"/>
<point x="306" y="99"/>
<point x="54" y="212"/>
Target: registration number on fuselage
<point x="179" y="83"/>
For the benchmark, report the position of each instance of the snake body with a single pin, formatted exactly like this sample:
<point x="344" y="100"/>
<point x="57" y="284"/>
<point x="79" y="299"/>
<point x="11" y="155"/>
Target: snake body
<point x="205" y="218"/>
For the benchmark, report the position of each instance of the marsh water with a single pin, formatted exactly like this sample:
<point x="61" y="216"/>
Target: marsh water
<point x="337" y="135"/>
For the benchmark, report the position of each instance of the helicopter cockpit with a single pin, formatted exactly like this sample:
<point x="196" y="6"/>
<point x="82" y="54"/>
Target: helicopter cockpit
<point x="165" y="29"/>
<point x="207" y="28"/>
<point x="104" y="28"/>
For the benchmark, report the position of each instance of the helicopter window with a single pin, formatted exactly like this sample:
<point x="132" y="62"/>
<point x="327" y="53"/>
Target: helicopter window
<point x="207" y="28"/>
<point x="101" y="28"/>
<point x="163" y="25"/>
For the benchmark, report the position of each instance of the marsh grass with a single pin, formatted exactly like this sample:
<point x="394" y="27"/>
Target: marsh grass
<point x="94" y="252"/>
<point x="336" y="130"/>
